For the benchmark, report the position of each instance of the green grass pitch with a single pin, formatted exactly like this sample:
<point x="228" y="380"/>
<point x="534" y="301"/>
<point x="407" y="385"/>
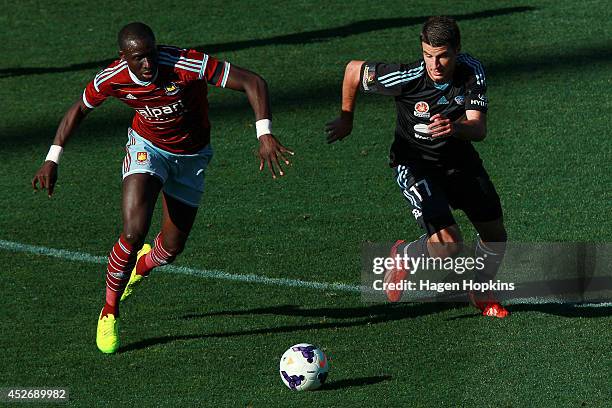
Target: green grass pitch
<point x="192" y="341"/>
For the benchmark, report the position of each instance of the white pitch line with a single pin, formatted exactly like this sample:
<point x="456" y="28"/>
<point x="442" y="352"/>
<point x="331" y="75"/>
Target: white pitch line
<point x="216" y="274"/>
<point x="203" y="273"/>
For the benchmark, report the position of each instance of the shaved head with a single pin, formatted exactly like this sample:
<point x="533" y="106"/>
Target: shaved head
<point x="137" y="47"/>
<point x="135" y="33"/>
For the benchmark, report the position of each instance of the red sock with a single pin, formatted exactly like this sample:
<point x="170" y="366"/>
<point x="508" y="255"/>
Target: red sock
<point x="157" y="257"/>
<point x="121" y="261"/>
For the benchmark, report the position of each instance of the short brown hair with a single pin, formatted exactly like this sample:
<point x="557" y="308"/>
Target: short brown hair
<point x="439" y="31"/>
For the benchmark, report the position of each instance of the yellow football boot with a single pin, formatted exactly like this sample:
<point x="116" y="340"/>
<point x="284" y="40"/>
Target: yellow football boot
<point x="135" y="279"/>
<point x="107" y="336"/>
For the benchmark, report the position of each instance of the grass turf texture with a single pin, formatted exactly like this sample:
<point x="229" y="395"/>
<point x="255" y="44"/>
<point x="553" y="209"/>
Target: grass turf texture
<point x="192" y="341"/>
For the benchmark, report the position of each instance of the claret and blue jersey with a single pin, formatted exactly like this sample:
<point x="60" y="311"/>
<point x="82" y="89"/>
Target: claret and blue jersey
<point x="171" y="111"/>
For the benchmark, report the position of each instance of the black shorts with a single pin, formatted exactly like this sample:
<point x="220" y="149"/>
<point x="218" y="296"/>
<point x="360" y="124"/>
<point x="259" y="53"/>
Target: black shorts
<point x="433" y="194"/>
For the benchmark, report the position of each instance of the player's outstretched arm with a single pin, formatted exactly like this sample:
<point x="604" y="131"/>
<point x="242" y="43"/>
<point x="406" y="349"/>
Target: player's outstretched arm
<point x="47" y="173"/>
<point x="256" y="89"/>
<point x="342" y="126"/>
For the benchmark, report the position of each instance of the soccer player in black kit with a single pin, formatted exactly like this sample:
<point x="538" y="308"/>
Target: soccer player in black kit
<point x="441" y="109"/>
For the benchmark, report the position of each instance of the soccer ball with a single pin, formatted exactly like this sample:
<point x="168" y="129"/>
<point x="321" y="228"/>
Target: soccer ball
<point x="304" y="367"/>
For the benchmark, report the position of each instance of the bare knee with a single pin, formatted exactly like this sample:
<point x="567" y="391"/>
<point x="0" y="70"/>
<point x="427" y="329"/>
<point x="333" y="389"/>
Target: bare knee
<point x="445" y="243"/>
<point x="135" y="230"/>
<point x="134" y="237"/>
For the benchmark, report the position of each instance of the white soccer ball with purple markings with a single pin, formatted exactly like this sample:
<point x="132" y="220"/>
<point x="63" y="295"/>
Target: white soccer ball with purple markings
<point x="304" y="367"/>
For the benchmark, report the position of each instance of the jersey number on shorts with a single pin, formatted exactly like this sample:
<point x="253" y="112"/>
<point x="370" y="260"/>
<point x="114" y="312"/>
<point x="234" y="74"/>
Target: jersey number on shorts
<point x="414" y="196"/>
<point x="415" y="189"/>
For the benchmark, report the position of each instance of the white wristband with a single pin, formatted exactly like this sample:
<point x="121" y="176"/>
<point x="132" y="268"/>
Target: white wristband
<point x="264" y="127"/>
<point x="54" y="153"/>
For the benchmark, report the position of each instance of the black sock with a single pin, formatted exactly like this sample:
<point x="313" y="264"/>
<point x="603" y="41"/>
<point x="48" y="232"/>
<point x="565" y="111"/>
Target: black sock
<point x="492" y="255"/>
<point x="416" y="248"/>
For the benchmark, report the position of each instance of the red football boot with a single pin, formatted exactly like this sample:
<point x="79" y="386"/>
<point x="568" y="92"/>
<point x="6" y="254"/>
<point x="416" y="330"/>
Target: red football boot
<point x="487" y="303"/>
<point x="394" y="275"/>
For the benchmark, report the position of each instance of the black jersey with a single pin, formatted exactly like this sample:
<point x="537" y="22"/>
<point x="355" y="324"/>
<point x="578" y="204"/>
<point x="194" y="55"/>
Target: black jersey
<point x="418" y="98"/>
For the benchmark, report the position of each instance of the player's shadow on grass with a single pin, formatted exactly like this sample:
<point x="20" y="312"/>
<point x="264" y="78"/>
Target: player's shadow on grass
<point x="343" y="318"/>
<point x="354" y="317"/>
<point x="377" y="313"/>
<point x="565" y="310"/>
<point x="358" y="27"/>
<point x="557" y="309"/>
<point x="353" y="382"/>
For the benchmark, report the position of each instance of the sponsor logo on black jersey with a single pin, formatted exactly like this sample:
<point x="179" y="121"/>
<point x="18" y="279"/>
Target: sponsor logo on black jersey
<point x="421" y="109"/>
<point x="442" y="101"/>
<point x="421" y="131"/>
<point x="482" y="100"/>
<point x="460" y="100"/>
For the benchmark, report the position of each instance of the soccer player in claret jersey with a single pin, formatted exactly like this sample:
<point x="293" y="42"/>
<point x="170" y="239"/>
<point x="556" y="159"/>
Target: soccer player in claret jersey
<point x="168" y="150"/>
<point x="441" y="109"/>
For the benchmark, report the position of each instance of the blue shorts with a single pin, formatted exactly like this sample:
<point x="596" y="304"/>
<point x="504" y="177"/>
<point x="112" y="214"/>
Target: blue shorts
<point x="182" y="175"/>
